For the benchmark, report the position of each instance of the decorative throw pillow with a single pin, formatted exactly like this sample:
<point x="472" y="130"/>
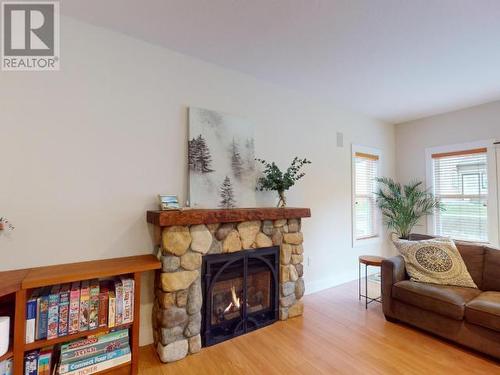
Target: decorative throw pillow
<point x="435" y="261"/>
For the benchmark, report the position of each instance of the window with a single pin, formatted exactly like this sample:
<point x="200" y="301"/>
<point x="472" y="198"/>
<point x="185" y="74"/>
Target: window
<point x="365" y="211"/>
<point x="460" y="179"/>
<point x="461" y="185"/>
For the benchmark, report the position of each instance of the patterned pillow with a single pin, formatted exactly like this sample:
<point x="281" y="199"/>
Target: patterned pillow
<point x="435" y="261"/>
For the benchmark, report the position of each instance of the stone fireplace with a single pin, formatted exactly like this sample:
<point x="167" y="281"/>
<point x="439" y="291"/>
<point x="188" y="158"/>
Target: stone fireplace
<point x="225" y="272"/>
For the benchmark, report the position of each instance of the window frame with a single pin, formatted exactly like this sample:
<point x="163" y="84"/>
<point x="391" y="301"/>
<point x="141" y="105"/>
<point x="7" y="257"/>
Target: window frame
<point x="493" y="203"/>
<point x="377" y="238"/>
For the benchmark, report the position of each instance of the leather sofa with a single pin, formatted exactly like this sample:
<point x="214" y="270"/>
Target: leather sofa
<point x="467" y="316"/>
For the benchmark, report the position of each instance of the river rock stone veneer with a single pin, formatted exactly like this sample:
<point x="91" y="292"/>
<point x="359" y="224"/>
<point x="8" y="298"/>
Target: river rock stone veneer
<point x="177" y="310"/>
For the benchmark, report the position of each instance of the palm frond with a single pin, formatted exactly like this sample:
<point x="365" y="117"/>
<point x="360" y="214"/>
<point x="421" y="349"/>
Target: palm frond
<point x="403" y="206"/>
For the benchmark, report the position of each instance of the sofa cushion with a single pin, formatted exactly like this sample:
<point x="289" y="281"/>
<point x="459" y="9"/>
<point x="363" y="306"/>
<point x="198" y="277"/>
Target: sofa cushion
<point x="491" y="276"/>
<point x="484" y="310"/>
<point x="442" y="299"/>
<point x="436" y="261"/>
<point x="473" y="256"/>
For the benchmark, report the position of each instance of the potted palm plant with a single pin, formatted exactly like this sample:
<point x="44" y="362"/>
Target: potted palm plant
<point x="403" y="206"/>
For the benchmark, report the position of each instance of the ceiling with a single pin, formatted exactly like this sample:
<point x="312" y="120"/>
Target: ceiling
<point x="394" y="60"/>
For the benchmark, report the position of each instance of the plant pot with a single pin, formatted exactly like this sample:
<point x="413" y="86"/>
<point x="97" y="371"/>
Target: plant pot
<point x="282" y="199"/>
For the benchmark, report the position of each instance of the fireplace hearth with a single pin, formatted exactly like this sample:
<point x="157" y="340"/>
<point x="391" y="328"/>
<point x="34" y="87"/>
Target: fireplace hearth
<point x="240" y="293"/>
<point x="225" y="272"/>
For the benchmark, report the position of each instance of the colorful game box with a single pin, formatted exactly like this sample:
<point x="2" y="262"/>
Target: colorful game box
<point x="94" y="304"/>
<point x="64" y="297"/>
<point x="74" y="308"/>
<point x="119" y="302"/>
<point x="84" y="363"/>
<point x="103" y="305"/>
<point x="44" y="361"/>
<point x="31" y="363"/>
<point x="53" y="314"/>
<point x="84" y="306"/>
<point x="31" y="307"/>
<point x="42" y="314"/>
<point x="128" y="300"/>
<point x="93" y="345"/>
<point x="111" y="309"/>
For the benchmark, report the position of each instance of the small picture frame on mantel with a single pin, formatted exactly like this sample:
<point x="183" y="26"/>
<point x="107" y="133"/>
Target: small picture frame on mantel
<point x="168" y="202"/>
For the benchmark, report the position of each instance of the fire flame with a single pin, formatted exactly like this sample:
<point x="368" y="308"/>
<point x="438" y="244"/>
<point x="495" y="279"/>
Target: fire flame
<point x="235" y="301"/>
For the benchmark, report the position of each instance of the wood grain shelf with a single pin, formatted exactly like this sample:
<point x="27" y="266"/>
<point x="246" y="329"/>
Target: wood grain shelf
<point x="10" y="281"/>
<point x="43" y="343"/>
<point x="20" y="281"/>
<point x="211" y="216"/>
<point x="67" y="273"/>
<point x="9" y="354"/>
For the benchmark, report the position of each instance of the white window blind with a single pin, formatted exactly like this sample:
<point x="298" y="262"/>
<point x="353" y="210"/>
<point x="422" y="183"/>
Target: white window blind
<point x="460" y="183"/>
<point x="365" y="185"/>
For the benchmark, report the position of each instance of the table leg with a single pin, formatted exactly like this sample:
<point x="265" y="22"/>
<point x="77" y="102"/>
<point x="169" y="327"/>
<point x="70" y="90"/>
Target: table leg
<point x="366" y="287"/>
<point x="359" y="281"/>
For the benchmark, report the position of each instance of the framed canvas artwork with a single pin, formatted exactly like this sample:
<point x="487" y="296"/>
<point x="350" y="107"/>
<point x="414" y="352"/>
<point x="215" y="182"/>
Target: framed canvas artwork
<point x="221" y="160"/>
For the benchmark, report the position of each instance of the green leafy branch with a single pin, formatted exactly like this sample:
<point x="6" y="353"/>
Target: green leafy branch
<point x="274" y="179"/>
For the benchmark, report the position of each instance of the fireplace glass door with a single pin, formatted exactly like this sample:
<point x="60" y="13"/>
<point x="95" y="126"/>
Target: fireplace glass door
<point x="240" y="293"/>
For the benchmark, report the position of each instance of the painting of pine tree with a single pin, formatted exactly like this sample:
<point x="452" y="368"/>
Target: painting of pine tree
<point x="250" y="155"/>
<point x="226" y="194"/>
<point x="199" y="158"/>
<point x="236" y="163"/>
<point x="220" y="160"/>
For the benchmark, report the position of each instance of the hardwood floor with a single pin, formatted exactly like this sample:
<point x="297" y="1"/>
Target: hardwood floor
<point x="336" y="335"/>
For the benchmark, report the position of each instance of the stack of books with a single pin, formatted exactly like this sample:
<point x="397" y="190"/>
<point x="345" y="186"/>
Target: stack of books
<point x="6" y="367"/>
<point x="66" y="309"/>
<point x="93" y="354"/>
<point x="83" y="356"/>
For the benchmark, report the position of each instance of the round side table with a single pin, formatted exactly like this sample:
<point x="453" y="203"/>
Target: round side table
<point x="368" y="260"/>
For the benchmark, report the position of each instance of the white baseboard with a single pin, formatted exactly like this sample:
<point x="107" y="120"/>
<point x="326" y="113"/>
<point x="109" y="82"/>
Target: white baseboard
<point x="330" y="282"/>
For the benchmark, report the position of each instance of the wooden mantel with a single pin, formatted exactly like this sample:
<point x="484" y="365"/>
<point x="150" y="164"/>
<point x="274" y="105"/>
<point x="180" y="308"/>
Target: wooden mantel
<point x="211" y="216"/>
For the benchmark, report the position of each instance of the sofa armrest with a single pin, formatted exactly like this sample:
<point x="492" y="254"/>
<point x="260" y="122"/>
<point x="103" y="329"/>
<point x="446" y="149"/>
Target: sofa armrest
<point x="393" y="271"/>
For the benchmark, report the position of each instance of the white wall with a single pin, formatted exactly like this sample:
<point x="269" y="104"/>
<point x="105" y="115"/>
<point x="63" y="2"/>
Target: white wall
<point x="86" y="150"/>
<point x="466" y="125"/>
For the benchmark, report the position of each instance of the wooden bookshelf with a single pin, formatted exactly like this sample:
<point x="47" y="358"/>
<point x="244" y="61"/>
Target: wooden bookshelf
<point x="21" y="282"/>
<point x="7" y="355"/>
<point x="38" y="344"/>
<point x="67" y="273"/>
<point x="10" y="281"/>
